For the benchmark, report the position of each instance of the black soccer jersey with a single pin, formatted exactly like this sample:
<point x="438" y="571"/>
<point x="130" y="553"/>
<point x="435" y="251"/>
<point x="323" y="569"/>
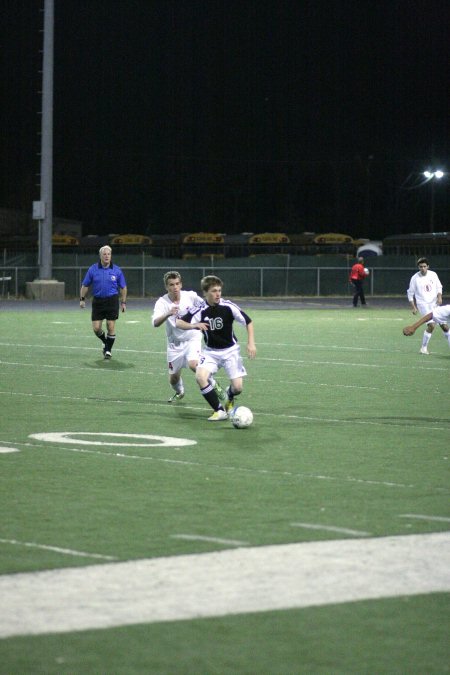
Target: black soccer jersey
<point x="220" y="319"/>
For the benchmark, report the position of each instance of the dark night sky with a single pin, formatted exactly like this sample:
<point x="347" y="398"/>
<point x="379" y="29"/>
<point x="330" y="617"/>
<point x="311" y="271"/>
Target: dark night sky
<point x="232" y="115"/>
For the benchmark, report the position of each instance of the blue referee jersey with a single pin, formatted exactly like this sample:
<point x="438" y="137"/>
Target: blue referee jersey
<point x="105" y="281"/>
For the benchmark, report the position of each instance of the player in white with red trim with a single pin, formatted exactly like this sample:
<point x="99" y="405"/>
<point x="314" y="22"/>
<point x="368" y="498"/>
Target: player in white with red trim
<point x="183" y="347"/>
<point x="424" y="294"/>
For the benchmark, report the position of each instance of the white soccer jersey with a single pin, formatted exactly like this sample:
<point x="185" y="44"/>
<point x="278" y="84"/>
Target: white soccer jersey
<point x="188" y="300"/>
<point x="441" y="314"/>
<point x="424" y="288"/>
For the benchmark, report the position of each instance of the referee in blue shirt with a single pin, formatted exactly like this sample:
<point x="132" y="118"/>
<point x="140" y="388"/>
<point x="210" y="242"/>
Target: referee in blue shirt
<point x="108" y="282"/>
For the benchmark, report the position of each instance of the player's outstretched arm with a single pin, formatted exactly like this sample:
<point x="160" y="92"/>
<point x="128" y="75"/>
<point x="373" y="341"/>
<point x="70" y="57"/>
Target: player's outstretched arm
<point x="185" y="325"/>
<point x="251" y="347"/>
<point x="410" y="330"/>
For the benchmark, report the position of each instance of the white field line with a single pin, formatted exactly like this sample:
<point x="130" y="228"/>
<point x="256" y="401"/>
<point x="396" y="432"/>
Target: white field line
<point x="439" y="519"/>
<point x="67" y="551"/>
<point x="332" y="528"/>
<point x="214" y="540"/>
<point x="60" y="366"/>
<point x="433" y="389"/>
<point x="334" y="385"/>
<point x="291" y="362"/>
<point x="221" y="467"/>
<point x="158" y="373"/>
<point x="347" y="364"/>
<point x="294" y="345"/>
<point x="78" y="348"/>
<point x="225" y="468"/>
<point x="257" y="579"/>
<point x="304" y="418"/>
<point x="341" y="347"/>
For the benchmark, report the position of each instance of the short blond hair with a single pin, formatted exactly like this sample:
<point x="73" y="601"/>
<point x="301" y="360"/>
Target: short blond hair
<point x="172" y="274"/>
<point x="104" y="248"/>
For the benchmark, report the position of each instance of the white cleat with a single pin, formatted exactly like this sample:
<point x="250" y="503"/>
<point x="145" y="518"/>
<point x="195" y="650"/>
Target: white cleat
<point x="424" y="350"/>
<point x="218" y="415"/>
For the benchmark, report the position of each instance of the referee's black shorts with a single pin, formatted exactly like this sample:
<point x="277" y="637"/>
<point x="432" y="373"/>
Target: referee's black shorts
<point x="105" y="308"/>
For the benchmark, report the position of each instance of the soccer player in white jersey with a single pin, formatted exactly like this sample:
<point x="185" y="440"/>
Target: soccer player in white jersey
<point x="183" y="347"/>
<point x="440" y="315"/>
<point x="214" y="318"/>
<point x="424" y="294"/>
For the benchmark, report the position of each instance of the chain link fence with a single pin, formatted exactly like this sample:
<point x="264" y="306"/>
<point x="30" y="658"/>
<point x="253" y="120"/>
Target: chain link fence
<point x="265" y="281"/>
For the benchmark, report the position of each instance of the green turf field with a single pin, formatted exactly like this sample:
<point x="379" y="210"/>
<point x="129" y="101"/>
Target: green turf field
<point x="349" y="448"/>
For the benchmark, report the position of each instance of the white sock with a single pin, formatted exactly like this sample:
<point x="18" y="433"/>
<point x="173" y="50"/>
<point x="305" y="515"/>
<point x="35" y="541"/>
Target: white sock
<point x="426" y="338"/>
<point x="179" y="386"/>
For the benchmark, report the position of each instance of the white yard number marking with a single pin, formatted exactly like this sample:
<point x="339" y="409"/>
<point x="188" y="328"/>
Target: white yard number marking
<point x="135" y="440"/>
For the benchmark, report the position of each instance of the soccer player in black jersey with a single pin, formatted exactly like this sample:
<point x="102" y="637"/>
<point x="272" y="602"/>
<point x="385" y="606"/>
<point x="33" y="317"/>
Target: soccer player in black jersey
<point x="215" y="318"/>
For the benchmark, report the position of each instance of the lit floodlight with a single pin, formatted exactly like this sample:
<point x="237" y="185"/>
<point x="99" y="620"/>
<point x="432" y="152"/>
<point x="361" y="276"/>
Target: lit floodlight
<point x="434" y="174"/>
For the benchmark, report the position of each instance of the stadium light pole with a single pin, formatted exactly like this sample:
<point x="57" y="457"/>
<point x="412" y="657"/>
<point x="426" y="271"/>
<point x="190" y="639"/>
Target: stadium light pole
<point x="433" y="176"/>
<point x="43" y="210"/>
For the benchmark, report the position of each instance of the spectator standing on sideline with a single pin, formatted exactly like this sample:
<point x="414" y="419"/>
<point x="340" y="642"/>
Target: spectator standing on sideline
<point x="424" y="294"/>
<point x="440" y="315"/>
<point x="357" y="275"/>
<point x="108" y="282"/>
<point x="183" y="347"/>
<point x="215" y="318"/>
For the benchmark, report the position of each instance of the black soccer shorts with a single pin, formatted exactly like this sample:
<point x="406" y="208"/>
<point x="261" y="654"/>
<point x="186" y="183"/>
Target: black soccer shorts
<point x="105" y="308"/>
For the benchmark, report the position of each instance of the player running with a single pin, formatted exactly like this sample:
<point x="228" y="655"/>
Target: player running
<point x="215" y="318"/>
<point x="424" y="294"/>
<point x="183" y="348"/>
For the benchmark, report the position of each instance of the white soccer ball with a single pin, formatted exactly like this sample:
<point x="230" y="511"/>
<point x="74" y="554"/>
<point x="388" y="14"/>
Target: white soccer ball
<point x="241" y="417"/>
<point x="366" y="270"/>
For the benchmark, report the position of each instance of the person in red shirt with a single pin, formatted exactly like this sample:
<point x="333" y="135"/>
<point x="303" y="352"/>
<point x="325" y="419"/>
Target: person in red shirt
<point x="357" y="275"/>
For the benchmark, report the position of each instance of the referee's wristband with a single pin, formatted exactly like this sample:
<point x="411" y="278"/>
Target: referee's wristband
<point x="122" y="302"/>
<point x="81" y="299"/>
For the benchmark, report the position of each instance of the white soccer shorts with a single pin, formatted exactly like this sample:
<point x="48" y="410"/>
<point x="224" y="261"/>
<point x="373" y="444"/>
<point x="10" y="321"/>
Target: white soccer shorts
<point x="229" y="359"/>
<point x="425" y="308"/>
<point x="179" y="355"/>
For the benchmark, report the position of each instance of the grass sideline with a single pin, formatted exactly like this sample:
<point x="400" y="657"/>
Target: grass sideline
<point x="351" y="432"/>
